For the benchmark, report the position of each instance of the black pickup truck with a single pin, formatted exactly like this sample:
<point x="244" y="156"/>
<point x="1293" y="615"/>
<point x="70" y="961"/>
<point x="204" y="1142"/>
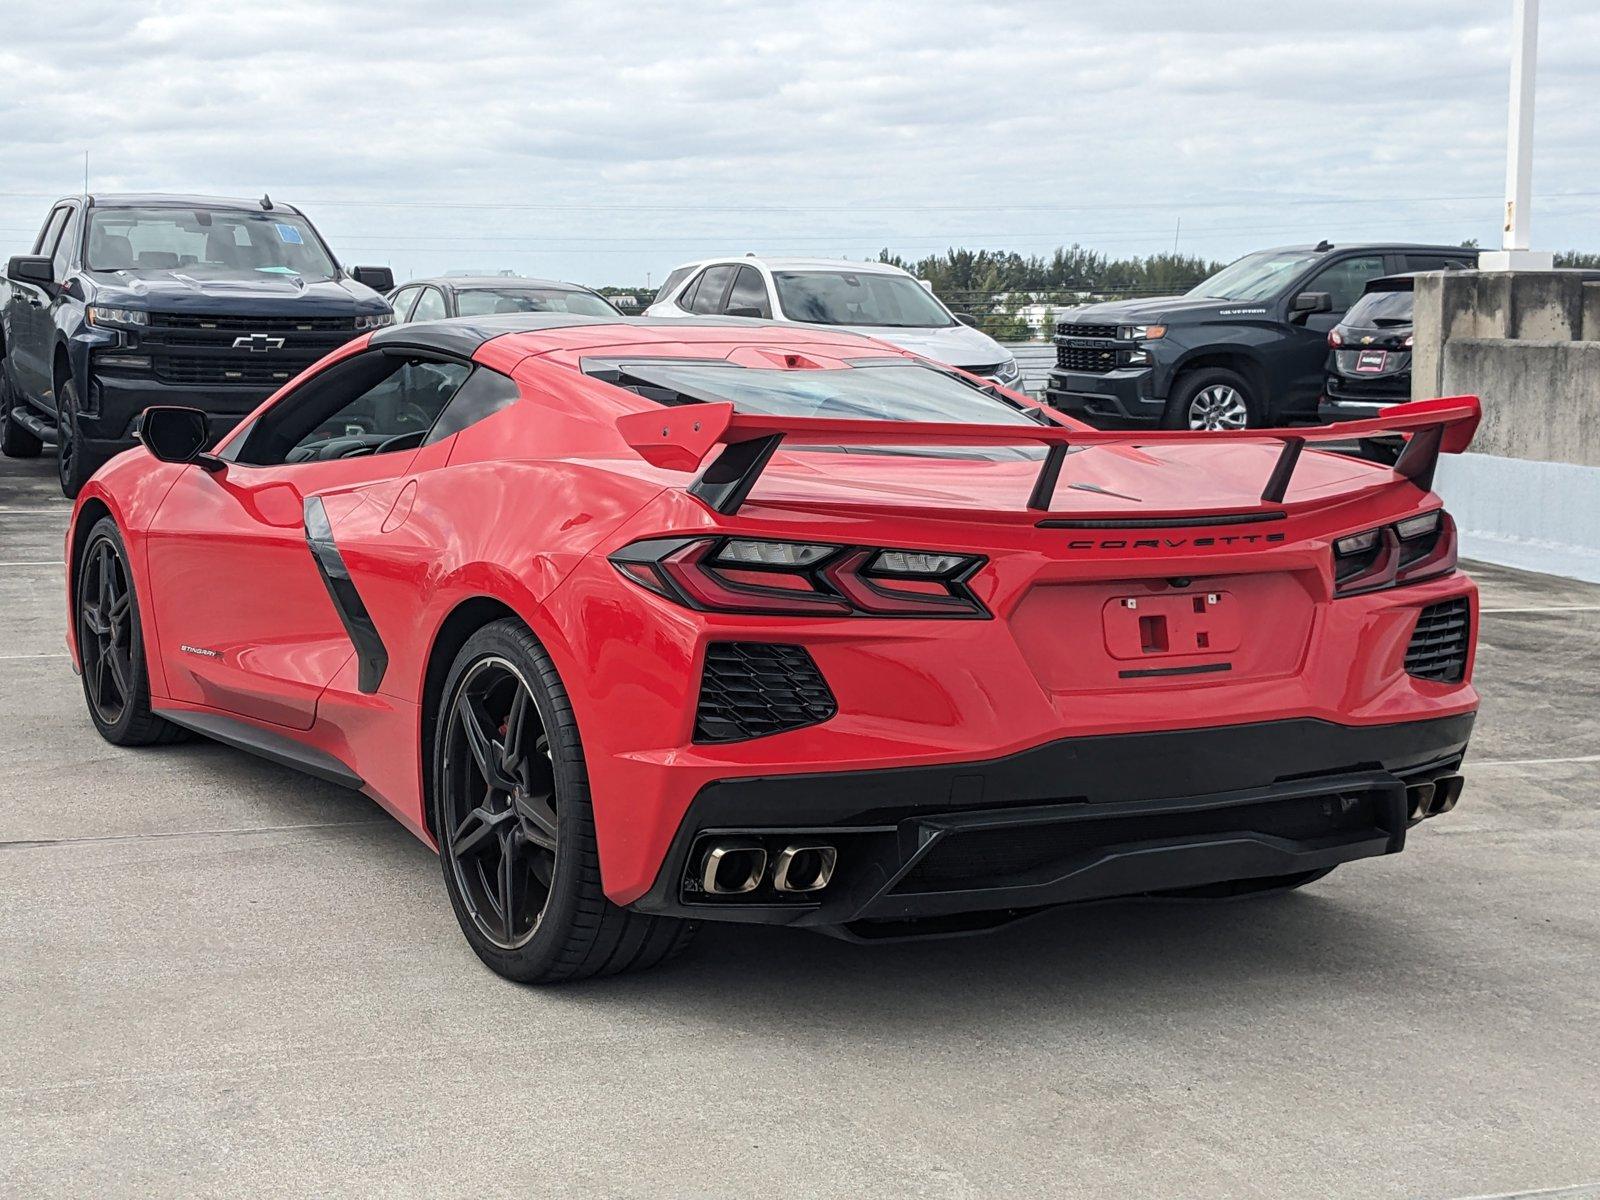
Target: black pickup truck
<point x="1245" y="348"/>
<point x="134" y="300"/>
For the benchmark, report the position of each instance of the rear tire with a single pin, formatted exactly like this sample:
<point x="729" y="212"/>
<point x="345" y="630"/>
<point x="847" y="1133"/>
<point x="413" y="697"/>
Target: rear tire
<point x="1212" y="398"/>
<point x="16" y="441"/>
<point x="511" y="808"/>
<point x="116" y="683"/>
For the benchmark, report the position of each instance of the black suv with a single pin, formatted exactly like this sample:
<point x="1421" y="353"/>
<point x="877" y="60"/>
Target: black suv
<point x="1370" y="367"/>
<point x="1247" y="347"/>
<point x="129" y="301"/>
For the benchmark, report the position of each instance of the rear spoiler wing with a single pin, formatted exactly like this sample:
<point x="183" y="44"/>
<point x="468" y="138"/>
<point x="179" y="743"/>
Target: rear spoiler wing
<point x="682" y="437"/>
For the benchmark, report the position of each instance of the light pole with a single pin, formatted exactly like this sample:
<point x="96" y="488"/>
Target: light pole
<point x="1514" y="254"/>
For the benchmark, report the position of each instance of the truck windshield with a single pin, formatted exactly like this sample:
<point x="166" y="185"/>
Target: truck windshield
<point x="1255" y="276"/>
<point x="858" y="298"/>
<point x="206" y="241"/>
<point x="478" y="302"/>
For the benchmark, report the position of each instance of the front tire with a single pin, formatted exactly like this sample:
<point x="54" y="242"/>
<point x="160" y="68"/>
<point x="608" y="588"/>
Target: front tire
<point x="515" y="825"/>
<point x="116" y="683"/>
<point x="1212" y="398"/>
<point x="74" y="461"/>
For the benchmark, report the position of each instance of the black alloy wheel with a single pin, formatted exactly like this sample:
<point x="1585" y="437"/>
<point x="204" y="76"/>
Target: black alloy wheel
<point x="510" y="807"/>
<point x="105" y="631"/>
<point x="499" y="802"/>
<point x="110" y="645"/>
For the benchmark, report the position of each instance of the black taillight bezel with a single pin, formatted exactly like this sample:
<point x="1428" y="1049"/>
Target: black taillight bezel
<point x="661" y="565"/>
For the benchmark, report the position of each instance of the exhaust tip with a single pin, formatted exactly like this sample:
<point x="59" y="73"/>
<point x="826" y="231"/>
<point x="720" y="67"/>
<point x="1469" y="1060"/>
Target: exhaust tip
<point x="1446" y="792"/>
<point x="804" y="868"/>
<point x="1419" y="797"/>
<point x="733" y="868"/>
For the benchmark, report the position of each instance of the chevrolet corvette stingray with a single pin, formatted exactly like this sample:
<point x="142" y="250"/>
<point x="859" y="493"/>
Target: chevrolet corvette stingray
<point x="642" y="623"/>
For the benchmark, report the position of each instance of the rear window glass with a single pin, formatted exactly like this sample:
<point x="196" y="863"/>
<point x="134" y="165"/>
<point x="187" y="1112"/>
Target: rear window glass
<point x="478" y="302"/>
<point x="908" y="392"/>
<point x="1377" y="310"/>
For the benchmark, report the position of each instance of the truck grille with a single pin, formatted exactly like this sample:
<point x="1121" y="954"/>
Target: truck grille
<point x="278" y="324"/>
<point x="198" y="349"/>
<point x="1095" y="361"/>
<point x="1068" y="329"/>
<point x="1438" y="649"/>
<point x="751" y="689"/>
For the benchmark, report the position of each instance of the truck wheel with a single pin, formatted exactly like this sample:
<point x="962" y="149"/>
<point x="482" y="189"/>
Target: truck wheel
<point x="74" y="462"/>
<point x="1212" y="398"/>
<point x="16" y="441"/>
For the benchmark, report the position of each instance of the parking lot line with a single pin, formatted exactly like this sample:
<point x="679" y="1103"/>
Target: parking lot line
<point x="1534" y="762"/>
<point x="49" y="562"/>
<point x="23" y="657"/>
<point x="1545" y="609"/>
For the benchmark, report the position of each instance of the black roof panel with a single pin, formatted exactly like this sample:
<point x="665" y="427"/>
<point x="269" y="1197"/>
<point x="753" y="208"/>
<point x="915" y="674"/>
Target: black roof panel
<point x="463" y="335"/>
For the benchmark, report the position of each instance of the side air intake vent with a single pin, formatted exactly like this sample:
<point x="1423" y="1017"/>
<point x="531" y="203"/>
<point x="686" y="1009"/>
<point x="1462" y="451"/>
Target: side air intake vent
<point x="1438" y="649"/>
<point x="751" y="689"/>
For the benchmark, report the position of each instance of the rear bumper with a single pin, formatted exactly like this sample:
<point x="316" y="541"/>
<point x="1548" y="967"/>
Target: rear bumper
<point x="1351" y="398"/>
<point x="1126" y="394"/>
<point x="932" y="849"/>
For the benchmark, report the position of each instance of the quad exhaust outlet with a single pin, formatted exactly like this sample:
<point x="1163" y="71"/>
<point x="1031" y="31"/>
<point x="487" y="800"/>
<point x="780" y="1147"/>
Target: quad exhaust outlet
<point x="1435" y="797"/>
<point x="737" y="868"/>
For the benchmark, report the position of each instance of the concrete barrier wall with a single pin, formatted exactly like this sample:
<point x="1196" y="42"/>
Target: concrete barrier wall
<point x="1541" y="399"/>
<point x="1527" y="344"/>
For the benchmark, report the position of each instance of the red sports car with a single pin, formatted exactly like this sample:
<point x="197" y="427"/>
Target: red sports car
<point x="643" y="623"/>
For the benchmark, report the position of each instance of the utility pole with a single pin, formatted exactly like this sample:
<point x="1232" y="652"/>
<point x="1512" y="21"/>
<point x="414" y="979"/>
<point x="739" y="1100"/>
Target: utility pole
<point x="1514" y="254"/>
<point x="86" y="174"/>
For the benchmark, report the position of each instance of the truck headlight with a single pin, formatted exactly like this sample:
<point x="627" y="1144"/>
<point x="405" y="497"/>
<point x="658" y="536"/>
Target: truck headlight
<point x="1141" y="333"/>
<point x="118" y="318"/>
<point x="374" y="320"/>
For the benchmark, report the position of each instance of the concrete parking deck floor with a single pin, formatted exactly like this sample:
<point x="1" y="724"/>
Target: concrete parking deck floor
<point x="221" y="977"/>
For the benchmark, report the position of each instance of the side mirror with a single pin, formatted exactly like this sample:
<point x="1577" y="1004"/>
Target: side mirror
<point x="966" y="319"/>
<point x="30" y="268"/>
<point x="177" y="435"/>
<point x="747" y="310"/>
<point x="379" y="279"/>
<point x="1311" y="302"/>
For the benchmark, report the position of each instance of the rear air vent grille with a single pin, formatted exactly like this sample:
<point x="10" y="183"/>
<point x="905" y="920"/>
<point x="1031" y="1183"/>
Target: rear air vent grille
<point x="751" y="689"/>
<point x="1438" y="649"/>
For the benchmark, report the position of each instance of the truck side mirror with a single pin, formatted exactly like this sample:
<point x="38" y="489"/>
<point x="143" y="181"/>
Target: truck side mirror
<point x="379" y="279"/>
<point x="1312" y="302"/>
<point x="30" y="268"/>
<point x="177" y="435"/>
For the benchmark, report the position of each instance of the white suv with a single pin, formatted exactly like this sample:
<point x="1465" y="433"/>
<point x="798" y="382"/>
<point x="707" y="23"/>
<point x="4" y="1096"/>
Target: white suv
<point x="870" y="298"/>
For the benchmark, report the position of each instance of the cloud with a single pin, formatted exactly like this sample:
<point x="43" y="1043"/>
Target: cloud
<point x="629" y="138"/>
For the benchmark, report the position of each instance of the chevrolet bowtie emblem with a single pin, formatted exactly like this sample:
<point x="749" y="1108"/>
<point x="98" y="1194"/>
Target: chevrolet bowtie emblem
<point x="258" y="343"/>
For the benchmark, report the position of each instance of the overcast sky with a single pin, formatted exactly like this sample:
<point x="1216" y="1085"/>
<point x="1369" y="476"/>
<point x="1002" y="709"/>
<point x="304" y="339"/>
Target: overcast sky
<point x="599" y="142"/>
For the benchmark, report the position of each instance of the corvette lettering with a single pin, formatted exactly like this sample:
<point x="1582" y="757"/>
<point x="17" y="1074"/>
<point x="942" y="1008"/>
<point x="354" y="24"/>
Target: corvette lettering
<point x="1241" y="539"/>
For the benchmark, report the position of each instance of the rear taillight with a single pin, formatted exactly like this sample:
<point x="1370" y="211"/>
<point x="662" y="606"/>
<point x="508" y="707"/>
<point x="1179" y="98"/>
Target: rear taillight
<point x="1417" y="548"/>
<point x="802" y="579"/>
<point x="1335" y="338"/>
